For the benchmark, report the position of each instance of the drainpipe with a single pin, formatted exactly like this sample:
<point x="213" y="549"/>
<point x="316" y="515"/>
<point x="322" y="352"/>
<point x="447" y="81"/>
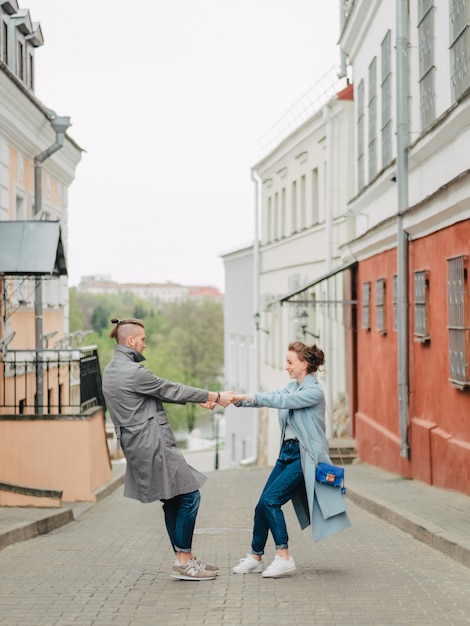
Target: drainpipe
<point x="60" y="125"/>
<point x="402" y="236"/>
<point x="256" y="301"/>
<point x="328" y="346"/>
<point x="342" y="20"/>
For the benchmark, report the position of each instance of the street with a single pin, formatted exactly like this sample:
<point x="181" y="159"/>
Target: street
<point x="112" y="566"/>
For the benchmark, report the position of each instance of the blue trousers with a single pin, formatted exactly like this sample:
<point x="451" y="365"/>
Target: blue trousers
<point x="180" y="518"/>
<point x="285" y="480"/>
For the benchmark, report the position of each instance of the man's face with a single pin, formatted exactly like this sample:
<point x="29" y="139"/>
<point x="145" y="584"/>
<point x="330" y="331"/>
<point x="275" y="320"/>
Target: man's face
<point x="138" y="341"/>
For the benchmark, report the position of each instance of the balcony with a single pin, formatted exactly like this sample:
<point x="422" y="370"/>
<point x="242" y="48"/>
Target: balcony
<point x="59" y="447"/>
<point x="71" y="381"/>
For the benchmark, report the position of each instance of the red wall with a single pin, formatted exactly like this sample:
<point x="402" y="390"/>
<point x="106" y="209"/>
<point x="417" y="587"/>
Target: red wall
<point x="439" y="414"/>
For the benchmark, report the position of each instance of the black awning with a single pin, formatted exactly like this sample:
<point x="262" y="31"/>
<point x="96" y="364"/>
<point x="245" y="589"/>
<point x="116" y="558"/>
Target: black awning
<point x="320" y="279"/>
<point x="31" y="248"/>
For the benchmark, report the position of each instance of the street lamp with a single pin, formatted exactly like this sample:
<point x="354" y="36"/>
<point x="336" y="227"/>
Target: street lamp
<point x="218" y="413"/>
<point x="257" y="317"/>
<point x="303" y="317"/>
<point x="59" y="125"/>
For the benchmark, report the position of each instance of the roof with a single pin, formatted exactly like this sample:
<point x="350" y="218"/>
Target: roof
<point x="31" y="248"/>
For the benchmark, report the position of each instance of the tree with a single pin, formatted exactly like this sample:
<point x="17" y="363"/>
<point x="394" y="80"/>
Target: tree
<point x="195" y="343"/>
<point x="100" y="318"/>
<point x="184" y="340"/>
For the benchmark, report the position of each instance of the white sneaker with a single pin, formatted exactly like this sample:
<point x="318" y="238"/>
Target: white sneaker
<point x="249" y="565"/>
<point x="279" y="567"/>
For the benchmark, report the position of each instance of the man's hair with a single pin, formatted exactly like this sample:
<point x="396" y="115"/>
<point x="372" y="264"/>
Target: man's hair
<point x="124" y="328"/>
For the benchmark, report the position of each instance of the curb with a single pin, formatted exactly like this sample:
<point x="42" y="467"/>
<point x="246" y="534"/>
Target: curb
<point x="423" y="530"/>
<point x="51" y="521"/>
<point x="22" y="532"/>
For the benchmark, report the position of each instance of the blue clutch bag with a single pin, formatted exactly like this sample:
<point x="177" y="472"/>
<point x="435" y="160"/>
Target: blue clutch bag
<point x="330" y="475"/>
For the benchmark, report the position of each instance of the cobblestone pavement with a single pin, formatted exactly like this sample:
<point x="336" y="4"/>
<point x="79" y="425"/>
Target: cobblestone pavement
<point x="111" y="566"/>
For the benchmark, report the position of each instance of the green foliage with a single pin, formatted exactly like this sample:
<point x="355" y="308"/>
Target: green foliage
<point x="75" y="311"/>
<point x="100" y="318"/>
<point x="184" y="340"/>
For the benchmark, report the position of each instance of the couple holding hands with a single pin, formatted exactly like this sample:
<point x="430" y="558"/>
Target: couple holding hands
<point x="157" y="470"/>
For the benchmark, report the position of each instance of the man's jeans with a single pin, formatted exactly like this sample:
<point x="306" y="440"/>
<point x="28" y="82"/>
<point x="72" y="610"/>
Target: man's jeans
<point x="180" y="519"/>
<point x="285" y="480"/>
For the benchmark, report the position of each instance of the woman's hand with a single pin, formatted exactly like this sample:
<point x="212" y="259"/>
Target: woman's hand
<point x="240" y="397"/>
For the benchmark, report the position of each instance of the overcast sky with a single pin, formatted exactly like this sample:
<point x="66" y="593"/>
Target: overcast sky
<point x="169" y="99"/>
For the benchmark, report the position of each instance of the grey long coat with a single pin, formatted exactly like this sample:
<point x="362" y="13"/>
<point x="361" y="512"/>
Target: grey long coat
<point x="304" y="405"/>
<point x="156" y="468"/>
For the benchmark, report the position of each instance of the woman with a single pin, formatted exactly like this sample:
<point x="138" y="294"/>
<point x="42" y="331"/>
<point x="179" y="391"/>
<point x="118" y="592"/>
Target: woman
<point x="301" y="407"/>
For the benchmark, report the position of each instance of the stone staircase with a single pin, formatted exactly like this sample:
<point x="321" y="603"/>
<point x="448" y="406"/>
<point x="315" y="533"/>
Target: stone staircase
<point x="342" y="451"/>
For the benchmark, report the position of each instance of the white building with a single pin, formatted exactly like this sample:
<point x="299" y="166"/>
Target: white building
<point x="303" y="185"/>
<point x="153" y="292"/>
<point x="240" y="358"/>
<point x="305" y="182"/>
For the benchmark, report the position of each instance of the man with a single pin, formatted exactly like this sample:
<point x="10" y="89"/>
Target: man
<point x="156" y="468"/>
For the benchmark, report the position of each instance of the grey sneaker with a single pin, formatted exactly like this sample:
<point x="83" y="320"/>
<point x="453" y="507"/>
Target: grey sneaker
<point x="249" y="565"/>
<point x="191" y="570"/>
<point x="207" y="566"/>
<point x="279" y="567"/>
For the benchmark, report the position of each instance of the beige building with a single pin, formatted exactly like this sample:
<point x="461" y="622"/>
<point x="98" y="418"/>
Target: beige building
<point x="52" y="436"/>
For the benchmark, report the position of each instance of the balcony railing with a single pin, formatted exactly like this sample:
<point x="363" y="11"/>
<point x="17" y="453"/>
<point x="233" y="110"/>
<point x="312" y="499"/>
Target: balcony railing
<point x="71" y="380"/>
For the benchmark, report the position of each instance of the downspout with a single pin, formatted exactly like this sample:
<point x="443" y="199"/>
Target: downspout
<point x="256" y="264"/>
<point x="402" y="235"/>
<point x="342" y="21"/>
<point x="60" y="125"/>
<point x="328" y="347"/>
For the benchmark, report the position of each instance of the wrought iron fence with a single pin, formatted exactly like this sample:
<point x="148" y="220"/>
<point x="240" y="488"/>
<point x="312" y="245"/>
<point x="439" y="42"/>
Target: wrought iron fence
<point x="71" y="380"/>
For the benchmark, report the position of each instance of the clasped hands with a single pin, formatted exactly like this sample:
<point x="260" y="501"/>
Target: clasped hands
<point x="225" y="398"/>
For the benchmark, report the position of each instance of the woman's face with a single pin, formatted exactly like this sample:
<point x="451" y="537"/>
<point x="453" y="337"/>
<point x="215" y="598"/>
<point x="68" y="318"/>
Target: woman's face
<point x="296" y="368"/>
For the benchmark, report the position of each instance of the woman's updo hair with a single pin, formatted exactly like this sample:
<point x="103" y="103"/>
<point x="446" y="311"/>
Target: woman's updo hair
<point x="313" y="355"/>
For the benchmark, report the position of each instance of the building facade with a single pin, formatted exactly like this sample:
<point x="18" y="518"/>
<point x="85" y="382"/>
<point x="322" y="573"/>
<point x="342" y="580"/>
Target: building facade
<point x="303" y="187"/>
<point x="153" y="292"/>
<point x="240" y="356"/>
<point x="410" y="63"/>
<point x="52" y="434"/>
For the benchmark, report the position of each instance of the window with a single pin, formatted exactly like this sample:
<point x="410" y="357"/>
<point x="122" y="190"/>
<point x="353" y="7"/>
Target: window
<point x="380" y="306"/>
<point x="372" y="110"/>
<point x="386" y="87"/>
<point x="421" y="332"/>
<point x="459" y="47"/>
<point x="294" y="206"/>
<point x="31" y="71"/>
<point x="395" y="302"/>
<point x="269" y="219"/>
<point x="366" y="305"/>
<point x="20" y="61"/>
<point x="303" y="200"/>
<point x="283" y="212"/>
<point x="427" y="70"/>
<point x="360" y="136"/>
<point x="315" y="208"/>
<point x="459" y="352"/>
<point x="5" y="43"/>
<point x="275" y="236"/>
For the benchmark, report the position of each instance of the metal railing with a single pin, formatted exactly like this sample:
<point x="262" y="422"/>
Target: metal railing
<point x="305" y="107"/>
<point x="71" y="381"/>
